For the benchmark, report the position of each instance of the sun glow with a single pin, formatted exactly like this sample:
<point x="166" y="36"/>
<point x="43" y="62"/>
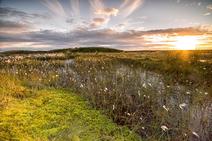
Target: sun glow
<point x="186" y="43"/>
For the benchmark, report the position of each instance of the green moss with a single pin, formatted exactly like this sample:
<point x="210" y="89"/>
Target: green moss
<point x="55" y="114"/>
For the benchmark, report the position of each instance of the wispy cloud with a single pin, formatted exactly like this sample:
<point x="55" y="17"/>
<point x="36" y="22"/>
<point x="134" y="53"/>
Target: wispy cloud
<point x="129" y="6"/>
<point x="207" y="14"/>
<point x="96" y="5"/>
<point x="7" y="12"/>
<point x="13" y="20"/>
<point x="55" y="7"/>
<point x="99" y="10"/>
<point x="14" y="27"/>
<point x="98" y="22"/>
<point x="75" y="7"/>
<point x="209" y="7"/>
<point x="130" y="40"/>
<point x="107" y="11"/>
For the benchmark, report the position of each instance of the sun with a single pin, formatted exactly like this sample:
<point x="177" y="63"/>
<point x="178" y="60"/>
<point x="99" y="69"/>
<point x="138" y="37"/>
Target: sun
<point x="186" y="43"/>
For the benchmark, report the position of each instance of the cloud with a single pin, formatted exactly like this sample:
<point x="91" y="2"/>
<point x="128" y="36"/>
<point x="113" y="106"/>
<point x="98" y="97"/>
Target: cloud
<point x="7" y="12"/>
<point x="129" y="6"/>
<point x="98" y="22"/>
<point x="75" y="6"/>
<point x="20" y="21"/>
<point x="100" y="11"/>
<point x="207" y="14"/>
<point x="107" y="11"/>
<point x="55" y="7"/>
<point x="209" y="7"/>
<point x="128" y="40"/>
<point x="188" y="31"/>
<point x="125" y="10"/>
<point x="13" y="27"/>
<point x="96" y="5"/>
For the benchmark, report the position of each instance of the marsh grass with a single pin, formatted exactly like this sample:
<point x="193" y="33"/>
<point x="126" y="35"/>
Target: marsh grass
<point x="52" y="114"/>
<point x="143" y="91"/>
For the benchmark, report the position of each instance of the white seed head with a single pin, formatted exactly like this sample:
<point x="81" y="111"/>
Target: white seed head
<point x="182" y="105"/>
<point x="194" y="133"/>
<point x="144" y="85"/>
<point x="188" y="92"/>
<point x="113" y="107"/>
<point x="164" y="128"/>
<point x="167" y="109"/>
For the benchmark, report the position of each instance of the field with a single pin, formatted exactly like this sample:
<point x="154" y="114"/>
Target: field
<point x="106" y="95"/>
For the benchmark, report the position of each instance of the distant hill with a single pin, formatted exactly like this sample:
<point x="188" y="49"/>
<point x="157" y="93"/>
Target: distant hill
<point x="95" y="49"/>
<point x="69" y="50"/>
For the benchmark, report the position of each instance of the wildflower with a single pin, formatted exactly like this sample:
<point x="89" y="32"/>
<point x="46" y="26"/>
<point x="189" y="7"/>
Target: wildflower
<point x="113" y="107"/>
<point x="144" y="85"/>
<point x="8" y="61"/>
<point x="81" y="85"/>
<point x="143" y="128"/>
<point x="167" y="109"/>
<point x="128" y="114"/>
<point x="167" y="86"/>
<point x="149" y="84"/>
<point x="182" y="105"/>
<point x="106" y="89"/>
<point x="188" y="92"/>
<point x="139" y="93"/>
<point x="206" y="93"/>
<point x="203" y="61"/>
<point x="194" y="133"/>
<point x="164" y="128"/>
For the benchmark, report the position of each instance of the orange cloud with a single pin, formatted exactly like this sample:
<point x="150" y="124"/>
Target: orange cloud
<point x="209" y="7"/>
<point x="98" y="22"/>
<point x="107" y="11"/>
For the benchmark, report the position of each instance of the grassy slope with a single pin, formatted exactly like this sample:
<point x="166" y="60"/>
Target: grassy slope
<point x="67" y="50"/>
<point x="49" y="114"/>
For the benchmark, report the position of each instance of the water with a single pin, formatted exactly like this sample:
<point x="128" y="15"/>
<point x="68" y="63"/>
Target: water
<point x="177" y="103"/>
<point x="143" y="100"/>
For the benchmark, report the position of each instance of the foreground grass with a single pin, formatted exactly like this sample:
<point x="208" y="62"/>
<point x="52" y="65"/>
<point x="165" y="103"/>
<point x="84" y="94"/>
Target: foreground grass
<point x="50" y="114"/>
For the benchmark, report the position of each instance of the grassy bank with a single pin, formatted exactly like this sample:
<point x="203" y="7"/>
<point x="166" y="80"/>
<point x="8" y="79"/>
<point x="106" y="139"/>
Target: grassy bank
<point x="52" y="114"/>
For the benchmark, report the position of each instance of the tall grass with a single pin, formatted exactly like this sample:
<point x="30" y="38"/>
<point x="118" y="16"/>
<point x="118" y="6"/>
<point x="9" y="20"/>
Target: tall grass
<point x="160" y="95"/>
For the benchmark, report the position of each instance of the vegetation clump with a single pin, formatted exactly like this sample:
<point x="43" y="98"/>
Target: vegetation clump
<point x="161" y="95"/>
<point x="52" y="114"/>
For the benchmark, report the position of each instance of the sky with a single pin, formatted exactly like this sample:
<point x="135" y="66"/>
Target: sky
<point x="120" y="24"/>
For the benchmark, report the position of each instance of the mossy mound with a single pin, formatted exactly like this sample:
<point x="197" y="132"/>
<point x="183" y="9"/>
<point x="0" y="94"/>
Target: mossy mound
<point x="51" y="114"/>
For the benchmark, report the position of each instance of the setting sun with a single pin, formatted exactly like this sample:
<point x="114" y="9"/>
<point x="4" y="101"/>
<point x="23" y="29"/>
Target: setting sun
<point x="186" y="43"/>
